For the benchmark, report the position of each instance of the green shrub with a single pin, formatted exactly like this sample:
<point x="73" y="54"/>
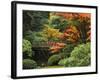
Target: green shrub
<point x="85" y="61"/>
<point x="62" y="62"/>
<point x="66" y="51"/>
<point x="27" y="47"/>
<point x="80" y="56"/>
<point x="53" y="60"/>
<point x="29" y="64"/>
<point x="68" y="62"/>
<point x="35" y="37"/>
<point x="81" y="51"/>
<point x="64" y="55"/>
<point x="58" y="22"/>
<point x="71" y="62"/>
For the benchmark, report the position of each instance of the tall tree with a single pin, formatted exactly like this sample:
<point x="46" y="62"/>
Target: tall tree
<point x="34" y="20"/>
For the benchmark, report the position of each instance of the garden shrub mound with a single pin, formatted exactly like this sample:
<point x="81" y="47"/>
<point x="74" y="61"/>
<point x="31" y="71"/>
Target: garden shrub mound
<point x="67" y="50"/>
<point x="62" y="62"/>
<point x="29" y="64"/>
<point x="53" y="60"/>
<point x="27" y="47"/>
<point x="68" y="62"/>
<point x="80" y="56"/>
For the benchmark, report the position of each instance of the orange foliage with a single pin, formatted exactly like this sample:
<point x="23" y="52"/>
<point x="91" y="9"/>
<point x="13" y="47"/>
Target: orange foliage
<point x="56" y="47"/>
<point x="69" y="15"/>
<point x="85" y="15"/>
<point x="65" y="15"/>
<point x="71" y="34"/>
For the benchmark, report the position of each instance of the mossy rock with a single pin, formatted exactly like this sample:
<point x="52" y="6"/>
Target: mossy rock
<point x="53" y="60"/>
<point x="29" y="64"/>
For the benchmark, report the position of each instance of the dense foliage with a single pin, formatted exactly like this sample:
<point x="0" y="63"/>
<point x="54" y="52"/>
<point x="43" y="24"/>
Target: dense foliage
<point x="34" y="20"/>
<point x="27" y="47"/>
<point x="29" y="64"/>
<point x="51" y="33"/>
<point x="56" y="39"/>
<point x="80" y="56"/>
<point x="58" y="22"/>
<point x="53" y="60"/>
<point x="34" y="36"/>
